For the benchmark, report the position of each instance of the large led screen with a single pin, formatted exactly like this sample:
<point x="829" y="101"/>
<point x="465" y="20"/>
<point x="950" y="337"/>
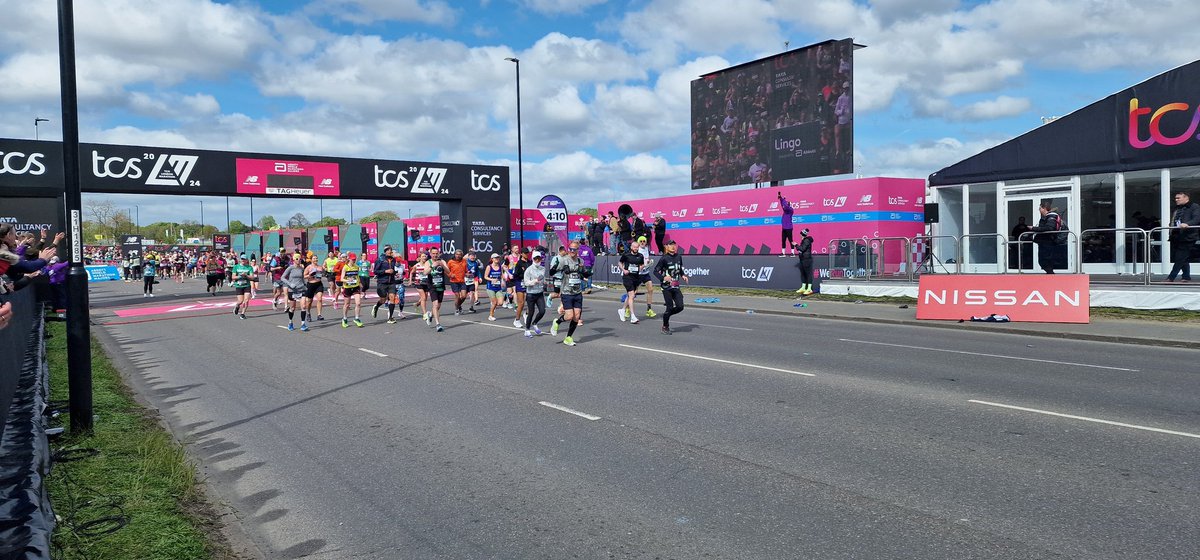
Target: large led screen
<point x="783" y="117"/>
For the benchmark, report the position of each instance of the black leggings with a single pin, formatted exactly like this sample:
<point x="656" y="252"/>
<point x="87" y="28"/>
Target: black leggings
<point x="147" y="284"/>
<point x="673" y="299"/>
<point x="786" y="238"/>
<point x="806" y="271"/>
<point x="534" y="301"/>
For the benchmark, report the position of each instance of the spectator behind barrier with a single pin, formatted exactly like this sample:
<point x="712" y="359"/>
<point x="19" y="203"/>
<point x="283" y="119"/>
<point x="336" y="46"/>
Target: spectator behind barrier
<point x="16" y="271"/>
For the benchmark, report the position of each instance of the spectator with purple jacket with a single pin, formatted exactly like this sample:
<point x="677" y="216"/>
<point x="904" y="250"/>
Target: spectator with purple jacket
<point x="786" y="234"/>
<point x="588" y="258"/>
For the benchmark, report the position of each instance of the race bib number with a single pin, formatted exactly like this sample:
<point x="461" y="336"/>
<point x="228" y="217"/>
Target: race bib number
<point x="574" y="280"/>
<point x="634" y="269"/>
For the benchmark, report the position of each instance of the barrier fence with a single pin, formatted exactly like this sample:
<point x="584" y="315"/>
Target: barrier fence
<point x="920" y="254"/>
<point x="28" y="519"/>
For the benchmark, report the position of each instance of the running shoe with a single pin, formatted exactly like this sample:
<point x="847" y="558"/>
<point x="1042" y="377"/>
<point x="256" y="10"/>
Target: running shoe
<point x="358" y="322"/>
<point x="472" y="309"/>
<point x="243" y="316"/>
<point x="320" y="317"/>
<point x="569" y="341"/>
<point x="537" y="330"/>
<point x="291" y="327"/>
<point x="428" y="319"/>
<point x="151" y="295"/>
<point x="303" y="327"/>
<point x="275" y="305"/>
<point x="375" y="312"/>
<point x="458" y="312"/>
<point x="621" y="314"/>
<point x="345" y="324"/>
<point x="633" y="320"/>
<point x="651" y="313"/>
<point x="517" y="323"/>
<point x="491" y="317"/>
<point x="440" y="328"/>
<point x="800" y="291"/>
<point x="554" y="328"/>
<point x="667" y="330"/>
<point x="806" y="292"/>
<point x="528" y="333"/>
<point x="391" y="321"/>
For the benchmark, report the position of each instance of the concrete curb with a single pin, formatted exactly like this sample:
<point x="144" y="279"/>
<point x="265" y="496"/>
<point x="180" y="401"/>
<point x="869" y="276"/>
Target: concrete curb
<point x="982" y="327"/>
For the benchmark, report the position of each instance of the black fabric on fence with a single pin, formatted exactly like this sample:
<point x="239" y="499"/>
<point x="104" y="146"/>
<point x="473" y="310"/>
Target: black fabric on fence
<point x="13" y="343"/>
<point x="26" y="518"/>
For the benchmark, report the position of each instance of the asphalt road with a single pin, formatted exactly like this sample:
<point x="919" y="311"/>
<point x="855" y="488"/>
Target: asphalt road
<point x="741" y="436"/>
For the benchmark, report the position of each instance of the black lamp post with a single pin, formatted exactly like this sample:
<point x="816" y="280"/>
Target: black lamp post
<point x="520" y="178"/>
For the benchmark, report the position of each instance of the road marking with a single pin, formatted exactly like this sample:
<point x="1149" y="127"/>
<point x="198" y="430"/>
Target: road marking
<point x="282" y="327"/>
<point x="374" y="353"/>
<point x="568" y="410"/>
<point x="716" y="326"/>
<point x="491" y="324"/>
<point x="719" y="360"/>
<point x="1086" y="419"/>
<point x="986" y="355"/>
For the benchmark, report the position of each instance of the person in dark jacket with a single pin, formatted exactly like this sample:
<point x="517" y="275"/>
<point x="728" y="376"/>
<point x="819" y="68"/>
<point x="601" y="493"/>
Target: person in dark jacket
<point x="1186" y="217"/>
<point x="803" y="250"/>
<point x="660" y="233"/>
<point x="1047" y="240"/>
<point x="670" y="272"/>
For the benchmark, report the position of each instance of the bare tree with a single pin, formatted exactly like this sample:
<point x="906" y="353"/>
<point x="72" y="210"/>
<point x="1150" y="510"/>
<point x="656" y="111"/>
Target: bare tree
<point x="104" y="213"/>
<point x="298" y="221"/>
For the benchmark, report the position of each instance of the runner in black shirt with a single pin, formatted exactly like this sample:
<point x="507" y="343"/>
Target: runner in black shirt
<point x="633" y="264"/>
<point x="436" y="287"/>
<point x="669" y="271"/>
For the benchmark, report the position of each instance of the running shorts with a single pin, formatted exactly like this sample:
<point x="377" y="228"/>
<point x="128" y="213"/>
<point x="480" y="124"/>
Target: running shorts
<point x="241" y="291"/>
<point x="457" y="287"/>
<point x="469" y="287"/>
<point x="437" y="295"/>
<point x="214" y="279"/>
<point x="385" y="290"/>
<point x="631" y="283"/>
<point x="278" y="284"/>
<point x="314" y="290"/>
<point x="520" y="286"/>
<point x="350" y="292"/>
<point x="295" y="295"/>
<point x="495" y="294"/>
<point x="572" y="301"/>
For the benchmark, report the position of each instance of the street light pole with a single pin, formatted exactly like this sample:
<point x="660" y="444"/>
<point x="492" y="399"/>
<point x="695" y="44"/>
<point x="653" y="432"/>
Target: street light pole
<point x="520" y="177"/>
<point x="36" y="121"/>
<point x="202" y="219"/>
<point x="138" y="220"/>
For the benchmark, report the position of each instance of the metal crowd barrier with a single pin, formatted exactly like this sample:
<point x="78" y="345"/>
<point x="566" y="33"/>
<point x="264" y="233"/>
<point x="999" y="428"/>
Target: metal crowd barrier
<point x="876" y="248"/>
<point x="1166" y="242"/>
<point x="962" y="248"/>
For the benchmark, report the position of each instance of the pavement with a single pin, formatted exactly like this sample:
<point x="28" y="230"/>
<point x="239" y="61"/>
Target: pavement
<point x="1101" y="329"/>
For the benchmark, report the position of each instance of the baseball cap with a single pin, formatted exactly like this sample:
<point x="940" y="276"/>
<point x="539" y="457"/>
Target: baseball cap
<point x="351" y="256"/>
<point x="670" y="242"/>
<point x="495" y="255"/>
<point x="537" y="254"/>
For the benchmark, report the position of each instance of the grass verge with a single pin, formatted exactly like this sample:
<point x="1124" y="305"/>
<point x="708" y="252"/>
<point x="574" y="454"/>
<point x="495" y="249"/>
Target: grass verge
<point x="140" y="473"/>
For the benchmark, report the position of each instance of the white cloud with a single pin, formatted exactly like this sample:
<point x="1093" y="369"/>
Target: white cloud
<point x="998" y="108"/>
<point x="666" y="27"/>
<point x="921" y="158"/>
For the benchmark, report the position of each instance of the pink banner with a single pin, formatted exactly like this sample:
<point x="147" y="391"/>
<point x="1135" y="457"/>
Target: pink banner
<point x="750" y="221"/>
<point x="372" y="246"/>
<point x="429" y="229"/>
<point x="293" y="178"/>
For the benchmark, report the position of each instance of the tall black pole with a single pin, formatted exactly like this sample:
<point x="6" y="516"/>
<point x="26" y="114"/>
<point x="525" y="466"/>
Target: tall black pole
<point x="138" y="222"/>
<point x="227" y="215"/>
<point x="520" y="167"/>
<point x="79" y="336"/>
<point x="252" y="213"/>
<point x="201" y="234"/>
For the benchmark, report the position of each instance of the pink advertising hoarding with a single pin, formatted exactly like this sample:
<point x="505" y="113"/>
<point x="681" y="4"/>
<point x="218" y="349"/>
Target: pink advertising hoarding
<point x="294" y="178"/>
<point x="535" y="224"/>
<point x="429" y="229"/>
<point x="750" y="221"/>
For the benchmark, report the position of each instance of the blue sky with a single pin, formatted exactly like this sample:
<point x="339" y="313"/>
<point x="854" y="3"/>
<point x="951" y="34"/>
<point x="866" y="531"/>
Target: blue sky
<point x="604" y="84"/>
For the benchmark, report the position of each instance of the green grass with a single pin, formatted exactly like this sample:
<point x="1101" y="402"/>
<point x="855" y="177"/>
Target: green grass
<point x="139" y="467"/>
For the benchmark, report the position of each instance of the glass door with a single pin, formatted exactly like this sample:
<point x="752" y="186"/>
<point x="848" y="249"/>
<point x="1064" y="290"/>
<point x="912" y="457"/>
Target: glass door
<point x="1022" y="215"/>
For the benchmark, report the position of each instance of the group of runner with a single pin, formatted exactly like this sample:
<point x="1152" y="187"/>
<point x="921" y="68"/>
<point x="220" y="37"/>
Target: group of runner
<point x="528" y="281"/>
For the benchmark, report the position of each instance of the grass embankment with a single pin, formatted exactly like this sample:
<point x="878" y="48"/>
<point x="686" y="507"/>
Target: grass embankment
<point x="1168" y="315"/>
<point x="140" y="474"/>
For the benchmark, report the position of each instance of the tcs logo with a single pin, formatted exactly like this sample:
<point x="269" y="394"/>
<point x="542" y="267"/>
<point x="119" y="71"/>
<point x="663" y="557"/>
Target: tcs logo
<point x="17" y="163"/>
<point x="481" y="182"/>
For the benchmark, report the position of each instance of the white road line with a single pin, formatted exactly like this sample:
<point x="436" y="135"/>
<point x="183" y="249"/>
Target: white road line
<point x="568" y="410"/>
<point x="1086" y="419"/>
<point x="715" y="326"/>
<point x="986" y="355"/>
<point x="282" y="327"/>
<point x="491" y="324"/>
<point x="374" y="353"/>
<point x="719" y="360"/>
